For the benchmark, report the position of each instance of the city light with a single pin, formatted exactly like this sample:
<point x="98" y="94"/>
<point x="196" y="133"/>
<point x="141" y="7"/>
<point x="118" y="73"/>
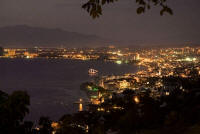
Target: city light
<point x="136" y="99"/>
<point x="119" y="62"/>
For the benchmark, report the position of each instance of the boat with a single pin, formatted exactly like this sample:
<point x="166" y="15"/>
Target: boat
<point x="92" y="71"/>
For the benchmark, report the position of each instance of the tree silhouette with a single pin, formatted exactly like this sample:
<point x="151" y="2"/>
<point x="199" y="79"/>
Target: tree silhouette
<point x="13" y="109"/>
<point x="45" y="124"/>
<point x="1" y="51"/>
<point x="94" y="7"/>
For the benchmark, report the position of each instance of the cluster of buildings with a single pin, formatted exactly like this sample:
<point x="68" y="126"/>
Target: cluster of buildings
<point x="122" y="55"/>
<point x="155" y="66"/>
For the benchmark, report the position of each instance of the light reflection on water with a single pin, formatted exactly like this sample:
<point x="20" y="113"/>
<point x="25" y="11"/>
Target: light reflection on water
<point x="53" y="84"/>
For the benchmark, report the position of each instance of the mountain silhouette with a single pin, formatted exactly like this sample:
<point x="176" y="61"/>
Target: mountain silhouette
<point x="27" y="36"/>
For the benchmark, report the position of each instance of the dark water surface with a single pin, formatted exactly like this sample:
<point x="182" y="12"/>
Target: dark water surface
<point x="53" y="84"/>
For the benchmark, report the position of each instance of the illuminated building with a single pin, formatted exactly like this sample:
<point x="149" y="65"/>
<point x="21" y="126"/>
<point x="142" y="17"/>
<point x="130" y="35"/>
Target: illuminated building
<point x="10" y="52"/>
<point x="137" y="56"/>
<point x="112" y="57"/>
<point x="198" y="51"/>
<point x="101" y="83"/>
<point x="95" y="101"/>
<point x="137" y="79"/>
<point x="124" y="84"/>
<point x="159" y="72"/>
<point x="81" y="105"/>
<point x="30" y="55"/>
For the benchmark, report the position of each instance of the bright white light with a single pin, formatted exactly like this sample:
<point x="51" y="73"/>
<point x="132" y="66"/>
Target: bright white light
<point x="194" y="59"/>
<point x="119" y="62"/>
<point x="188" y="59"/>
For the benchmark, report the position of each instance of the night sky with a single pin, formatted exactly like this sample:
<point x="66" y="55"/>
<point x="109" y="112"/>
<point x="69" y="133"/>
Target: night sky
<point x="119" y="21"/>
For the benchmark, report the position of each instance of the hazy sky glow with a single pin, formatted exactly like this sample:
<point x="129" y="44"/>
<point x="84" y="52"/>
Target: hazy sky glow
<point x="119" y="20"/>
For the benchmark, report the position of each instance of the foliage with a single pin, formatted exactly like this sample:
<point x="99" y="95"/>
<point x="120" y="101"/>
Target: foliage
<point x="175" y="113"/>
<point x="45" y="124"/>
<point x="1" y="51"/>
<point x="94" y="7"/>
<point x="13" y="109"/>
<point x="69" y="124"/>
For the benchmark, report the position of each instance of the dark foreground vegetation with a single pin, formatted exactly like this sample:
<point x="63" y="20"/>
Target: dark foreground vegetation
<point x="127" y="113"/>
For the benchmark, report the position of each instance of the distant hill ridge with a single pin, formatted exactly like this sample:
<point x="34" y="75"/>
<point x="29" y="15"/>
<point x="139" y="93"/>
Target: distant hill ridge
<point x="27" y="36"/>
